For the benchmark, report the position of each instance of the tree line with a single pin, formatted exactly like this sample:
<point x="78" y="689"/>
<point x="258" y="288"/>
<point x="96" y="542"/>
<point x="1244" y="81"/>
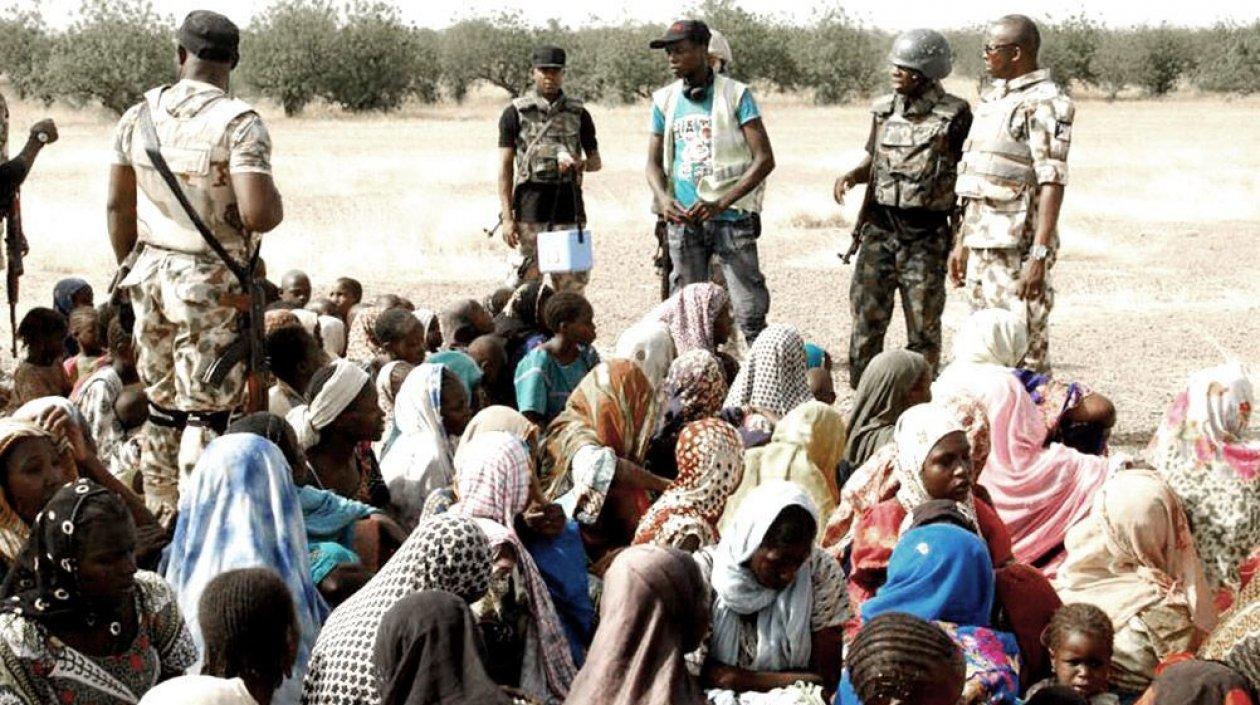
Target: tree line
<point x="361" y="55"/>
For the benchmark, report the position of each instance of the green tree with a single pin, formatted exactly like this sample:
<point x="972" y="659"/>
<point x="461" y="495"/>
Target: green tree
<point x="377" y="62"/>
<point x="286" y="52"/>
<point x="493" y="49"/>
<point x="1068" y="49"/>
<point x="24" y="53"/>
<point x="1230" y="59"/>
<point x="112" y="52"/>
<point x="838" y="59"/>
<point x="761" y="46"/>
<point x="1164" y="55"/>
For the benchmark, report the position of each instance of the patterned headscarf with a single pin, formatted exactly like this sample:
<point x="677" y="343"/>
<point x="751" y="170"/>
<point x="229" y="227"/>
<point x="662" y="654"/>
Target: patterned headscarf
<point x="690" y="314"/>
<point x="917" y="432"/>
<point x="446" y="552"/>
<point x="1236" y="640"/>
<point x="493" y="479"/>
<point x="710" y="463"/>
<point x="13" y="531"/>
<point x="362" y="345"/>
<point x="773" y="377"/>
<point x="695" y="386"/>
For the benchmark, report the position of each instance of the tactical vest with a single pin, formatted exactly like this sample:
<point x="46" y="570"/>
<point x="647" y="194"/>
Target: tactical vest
<point x="194" y="145"/>
<point x="995" y="166"/>
<point x="546" y="131"/>
<point x="912" y="166"/>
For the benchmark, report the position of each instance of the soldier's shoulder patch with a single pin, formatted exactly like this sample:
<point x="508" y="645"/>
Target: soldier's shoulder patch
<point x="1062" y="130"/>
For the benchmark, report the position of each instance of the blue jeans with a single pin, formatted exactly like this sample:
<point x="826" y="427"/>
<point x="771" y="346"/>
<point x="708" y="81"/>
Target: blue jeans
<point x="735" y="244"/>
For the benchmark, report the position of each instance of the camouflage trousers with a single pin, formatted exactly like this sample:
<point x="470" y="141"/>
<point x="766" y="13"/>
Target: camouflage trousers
<point x="524" y="261"/>
<point x="992" y="278"/>
<point x="887" y="265"/>
<point x="184" y="322"/>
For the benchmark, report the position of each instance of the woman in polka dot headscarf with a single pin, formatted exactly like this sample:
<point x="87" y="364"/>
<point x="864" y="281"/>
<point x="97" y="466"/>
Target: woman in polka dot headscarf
<point x="78" y="622"/>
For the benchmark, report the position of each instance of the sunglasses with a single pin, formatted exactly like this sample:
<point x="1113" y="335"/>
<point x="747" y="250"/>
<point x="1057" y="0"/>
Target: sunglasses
<point x="993" y="48"/>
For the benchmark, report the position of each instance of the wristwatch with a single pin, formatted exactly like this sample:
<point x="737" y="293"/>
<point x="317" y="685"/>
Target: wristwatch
<point x="1039" y="252"/>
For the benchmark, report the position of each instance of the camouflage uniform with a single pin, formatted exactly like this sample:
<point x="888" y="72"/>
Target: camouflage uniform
<point x="183" y="294"/>
<point x="1018" y="142"/>
<point x="915" y="145"/>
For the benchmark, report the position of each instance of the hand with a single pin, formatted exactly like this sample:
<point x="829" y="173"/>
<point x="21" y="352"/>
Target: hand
<point x="547" y="521"/>
<point x="150" y="539"/>
<point x="510" y="235"/>
<point x="701" y="211"/>
<point x="1032" y="280"/>
<point x="958" y="265"/>
<point x="58" y="422"/>
<point x="843" y="184"/>
<point x="47" y="127"/>
<point x="673" y="211"/>
<point x="572" y="165"/>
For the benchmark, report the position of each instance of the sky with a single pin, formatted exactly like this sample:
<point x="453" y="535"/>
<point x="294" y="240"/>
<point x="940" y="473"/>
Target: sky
<point x="897" y="15"/>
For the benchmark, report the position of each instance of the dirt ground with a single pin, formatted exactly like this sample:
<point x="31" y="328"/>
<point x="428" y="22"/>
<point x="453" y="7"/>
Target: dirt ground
<point x="1157" y="276"/>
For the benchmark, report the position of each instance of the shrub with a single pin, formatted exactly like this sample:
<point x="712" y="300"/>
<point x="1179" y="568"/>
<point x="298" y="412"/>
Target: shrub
<point x="377" y="62"/>
<point x="1068" y="49"/>
<point x="24" y="53"/>
<point x="287" y="50"/>
<point x="760" y="45"/>
<point x="493" y="49"/>
<point x="838" y="59"/>
<point x="1231" y="60"/>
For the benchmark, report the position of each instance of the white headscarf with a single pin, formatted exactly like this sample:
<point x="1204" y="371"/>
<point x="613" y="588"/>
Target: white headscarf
<point x="307" y="420"/>
<point x="333" y="332"/>
<point x="918" y="430"/>
<point x="420" y="461"/>
<point x="309" y="320"/>
<point x="199" y="690"/>
<point x="783" y="617"/>
<point x="993" y="336"/>
<point x="651" y="347"/>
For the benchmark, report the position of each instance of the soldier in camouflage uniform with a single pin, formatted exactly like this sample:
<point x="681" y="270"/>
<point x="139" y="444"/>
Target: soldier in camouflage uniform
<point x="546" y="143"/>
<point x="1011" y="182"/>
<point x="184" y="295"/>
<point x="915" y="142"/>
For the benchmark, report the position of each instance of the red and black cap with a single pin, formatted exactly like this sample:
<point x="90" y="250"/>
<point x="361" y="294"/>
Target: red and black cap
<point x="695" y="30"/>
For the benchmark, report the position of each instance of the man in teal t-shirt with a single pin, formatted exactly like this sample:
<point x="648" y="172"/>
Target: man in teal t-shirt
<point x="718" y="156"/>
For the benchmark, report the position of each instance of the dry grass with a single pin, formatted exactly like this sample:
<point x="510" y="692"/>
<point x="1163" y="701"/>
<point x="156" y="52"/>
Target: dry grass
<point x="1157" y="276"/>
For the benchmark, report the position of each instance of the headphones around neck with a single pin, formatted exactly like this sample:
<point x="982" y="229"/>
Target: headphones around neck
<point x="695" y="93"/>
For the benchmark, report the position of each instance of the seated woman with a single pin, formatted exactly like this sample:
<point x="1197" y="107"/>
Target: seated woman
<point x="431" y="411"/>
<point x="653" y="614"/>
<point x="1133" y="557"/>
<point x="251" y="633"/>
<point x="1236" y="640"/>
<point x="806" y="448"/>
<point x="900" y="658"/>
<point x="648" y="343"/>
<point x="693" y="390"/>
<point x="342" y="414"/>
<point x="240" y="512"/>
<point x="1201" y="452"/>
<point x="998" y="339"/>
<point x="777" y="600"/>
<point x="1199" y="683"/>
<point x="771" y="383"/>
<point x="493" y="482"/>
<point x="78" y="622"/>
<point x="944" y="574"/>
<point x="30" y="475"/>
<point x="593" y="452"/>
<point x="894" y="381"/>
<point x="685" y="516"/>
<point x="698" y="317"/>
<point x="448" y="553"/>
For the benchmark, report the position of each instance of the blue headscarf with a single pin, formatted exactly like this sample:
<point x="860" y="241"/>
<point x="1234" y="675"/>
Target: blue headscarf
<point x="462" y="364"/>
<point x="815" y="356"/>
<point x="63" y="294"/>
<point x="938" y="572"/>
<point x="242" y="511"/>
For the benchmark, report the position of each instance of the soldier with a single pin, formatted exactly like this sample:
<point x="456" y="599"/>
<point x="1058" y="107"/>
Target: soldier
<point x="915" y="142"/>
<point x="184" y="294"/>
<point x="546" y="142"/>
<point x="1011" y="181"/>
<point x="708" y="159"/>
<point x="13" y="173"/>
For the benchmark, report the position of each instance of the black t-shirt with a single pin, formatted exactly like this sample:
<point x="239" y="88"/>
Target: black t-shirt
<point x="12" y="174"/>
<point x="547" y="203"/>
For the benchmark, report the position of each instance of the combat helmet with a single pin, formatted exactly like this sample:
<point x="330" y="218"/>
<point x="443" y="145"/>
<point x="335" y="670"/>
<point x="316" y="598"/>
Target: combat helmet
<point x="924" y="50"/>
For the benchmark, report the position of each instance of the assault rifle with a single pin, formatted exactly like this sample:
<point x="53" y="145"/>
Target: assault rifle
<point x="863" y="213"/>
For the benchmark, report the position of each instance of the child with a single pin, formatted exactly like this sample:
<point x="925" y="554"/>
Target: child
<point x="86" y="328"/>
<point x="295" y="288"/>
<point x="295" y="358"/>
<point x="497" y="300"/>
<point x="491" y="356"/>
<point x="132" y="408"/>
<point x="98" y="397"/>
<point x="400" y="334"/>
<point x="1079" y="638"/>
<point x="899" y="658"/>
<point x="346" y="294"/>
<point x="821" y="385"/>
<point x="548" y="374"/>
<point x="43" y="332"/>
<point x="463" y="322"/>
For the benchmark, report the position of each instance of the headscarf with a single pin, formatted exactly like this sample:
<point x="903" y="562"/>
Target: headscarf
<point x="613" y="407"/>
<point x="31" y="411"/>
<point x="1198" y="683"/>
<point x="501" y="418"/>
<point x="773" y="377"/>
<point x="445" y="552"/>
<point x="240" y="511"/>
<point x="63" y="294"/>
<point x="308" y="320"/>
<point x="882" y="394"/>
<point x="1038" y="490"/>
<point x="341" y="389"/>
<point x="362" y="345"/>
<point x="1133" y="551"/>
<point x="690" y="314"/>
<point x="13" y="531"/>
<point x="993" y="336"/>
<point x="695" y="387"/>
<point x="465" y="368"/>
<point x="427" y="652"/>
<point x="1236" y="640"/>
<point x="710" y="465"/>
<point x="493" y="488"/>
<point x="420" y="460"/>
<point x="805" y="449"/>
<point x="332" y="331"/>
<point x="918" y="430"/>
<point x="521" y="317"/>
<point x="648" y="623"/>
<point x="938" y="572"/>
<point x="199" y="690"/>
<point x="784" y="640"/>
<point x="385" y="389"/>
<point x="648" y="344"/>
<point x="1201" y="452"/>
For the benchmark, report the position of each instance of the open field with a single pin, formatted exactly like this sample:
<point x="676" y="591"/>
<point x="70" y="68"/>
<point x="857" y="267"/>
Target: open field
<point x="1159" y="271"/>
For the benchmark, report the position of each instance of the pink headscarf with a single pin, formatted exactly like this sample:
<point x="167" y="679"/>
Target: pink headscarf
<point x="1039" y="491"/>
<point x="690" y="315"/>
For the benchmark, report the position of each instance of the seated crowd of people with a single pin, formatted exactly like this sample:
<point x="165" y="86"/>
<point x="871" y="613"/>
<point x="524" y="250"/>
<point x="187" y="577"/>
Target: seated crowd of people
<point x="472" y="505"/>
